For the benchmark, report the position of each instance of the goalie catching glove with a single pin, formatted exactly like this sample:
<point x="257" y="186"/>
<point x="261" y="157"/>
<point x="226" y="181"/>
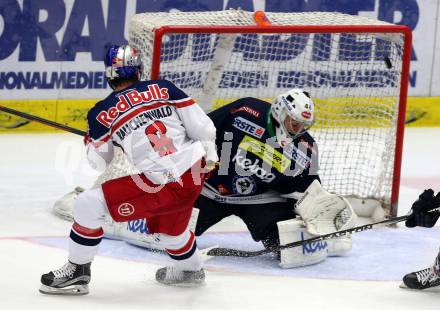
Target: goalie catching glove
<point x="324" y="213"/>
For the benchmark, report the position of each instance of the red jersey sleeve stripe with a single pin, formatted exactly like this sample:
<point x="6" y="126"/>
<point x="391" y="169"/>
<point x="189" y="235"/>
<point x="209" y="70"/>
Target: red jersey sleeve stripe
<point x="184" y="103"/>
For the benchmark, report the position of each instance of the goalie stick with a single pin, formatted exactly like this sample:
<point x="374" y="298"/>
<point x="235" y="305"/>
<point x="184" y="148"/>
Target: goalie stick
<point x="341" y="233"/>
<point x="42" y="120"/>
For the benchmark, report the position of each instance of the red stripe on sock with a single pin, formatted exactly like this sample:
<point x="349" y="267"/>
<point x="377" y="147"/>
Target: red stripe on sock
<point x="87" y="232"/>
<point x="187" y="247"/>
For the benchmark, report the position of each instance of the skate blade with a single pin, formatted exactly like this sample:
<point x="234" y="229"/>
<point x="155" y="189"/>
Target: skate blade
<point x="183" y="284"/>
<point x="429" y="289"/>
<point x="68" y="290"/>
<point x="402" y="285"/>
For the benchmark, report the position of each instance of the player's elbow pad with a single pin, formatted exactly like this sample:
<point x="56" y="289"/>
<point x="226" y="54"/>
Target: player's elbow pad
<point x="203" y="129"/>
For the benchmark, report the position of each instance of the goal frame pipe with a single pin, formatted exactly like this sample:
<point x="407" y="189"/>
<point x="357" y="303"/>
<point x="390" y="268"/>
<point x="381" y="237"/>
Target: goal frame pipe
<point x="331" y="29"/>
<point x="406" y="60"/>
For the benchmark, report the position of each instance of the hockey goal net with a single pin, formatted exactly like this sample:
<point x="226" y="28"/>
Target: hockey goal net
<point x="355" y="68"/>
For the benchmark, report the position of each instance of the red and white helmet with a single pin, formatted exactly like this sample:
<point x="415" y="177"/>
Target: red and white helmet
<point x="294" y="113"/>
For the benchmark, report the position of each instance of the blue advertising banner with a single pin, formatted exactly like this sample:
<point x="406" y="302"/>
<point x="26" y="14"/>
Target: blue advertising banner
<point x="53" y="49"/>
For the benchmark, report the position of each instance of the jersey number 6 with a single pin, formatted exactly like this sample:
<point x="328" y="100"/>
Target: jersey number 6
<point x="156" y="133"/>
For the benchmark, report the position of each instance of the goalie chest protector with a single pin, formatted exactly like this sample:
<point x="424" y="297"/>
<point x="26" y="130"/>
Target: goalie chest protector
<point x="251" y="160"/>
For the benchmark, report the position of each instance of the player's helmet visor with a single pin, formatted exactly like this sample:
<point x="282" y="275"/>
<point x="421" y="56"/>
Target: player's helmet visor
<point x="295" y="128"/>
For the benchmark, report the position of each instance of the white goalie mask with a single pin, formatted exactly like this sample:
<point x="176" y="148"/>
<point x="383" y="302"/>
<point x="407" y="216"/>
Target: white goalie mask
<point x="294" y="113"/>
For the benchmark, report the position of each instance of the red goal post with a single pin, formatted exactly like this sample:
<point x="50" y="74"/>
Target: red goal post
<point x="355" y="68"/>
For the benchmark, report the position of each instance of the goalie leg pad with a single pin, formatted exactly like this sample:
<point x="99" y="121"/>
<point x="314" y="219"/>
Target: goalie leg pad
<point x="294" y="230"/>
<point x="339" y="246"/>
<point x="63" y="207"/>
<point x="136" y="232"/>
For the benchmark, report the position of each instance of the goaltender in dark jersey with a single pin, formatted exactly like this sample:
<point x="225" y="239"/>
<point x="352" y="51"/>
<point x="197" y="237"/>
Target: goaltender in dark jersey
<point x="254" y="168"/>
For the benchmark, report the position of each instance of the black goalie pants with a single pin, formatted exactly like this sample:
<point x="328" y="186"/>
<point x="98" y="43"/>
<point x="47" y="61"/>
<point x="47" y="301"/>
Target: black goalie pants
<point x="260" y="219"/>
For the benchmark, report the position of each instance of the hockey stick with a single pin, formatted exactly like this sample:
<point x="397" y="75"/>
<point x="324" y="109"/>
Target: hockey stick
<point x="341" y="233"/>
<point x="414" y="116"/>
<point x="17" y="124"/>
<point x="42" y="120"/>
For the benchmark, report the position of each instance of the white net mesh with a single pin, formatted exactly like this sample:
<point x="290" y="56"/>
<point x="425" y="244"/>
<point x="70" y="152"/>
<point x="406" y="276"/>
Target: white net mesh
<point x="354" y="80"/>
<point x="118" y="167"/>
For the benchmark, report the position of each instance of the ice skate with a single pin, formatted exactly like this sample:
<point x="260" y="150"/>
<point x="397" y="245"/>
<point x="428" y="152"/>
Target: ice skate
<point x="420" y="280"/>
<point x="71" y="279"/>
<point x="173" y="276"/>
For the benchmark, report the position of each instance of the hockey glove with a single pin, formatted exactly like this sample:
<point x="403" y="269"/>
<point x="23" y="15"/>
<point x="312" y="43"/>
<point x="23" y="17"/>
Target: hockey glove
<point x="420" y="215"/>
<point x="211" y="157"/>
<point x="86" y="139"/>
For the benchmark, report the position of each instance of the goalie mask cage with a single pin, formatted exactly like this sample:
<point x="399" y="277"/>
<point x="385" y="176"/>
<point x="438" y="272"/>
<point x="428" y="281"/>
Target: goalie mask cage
<point x="355" y="68"/>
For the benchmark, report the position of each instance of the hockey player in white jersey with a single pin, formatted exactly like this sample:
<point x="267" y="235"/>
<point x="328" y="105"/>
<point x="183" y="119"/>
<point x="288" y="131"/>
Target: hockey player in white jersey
<point x="422" y="215"/>
<point x="167" y="137"/>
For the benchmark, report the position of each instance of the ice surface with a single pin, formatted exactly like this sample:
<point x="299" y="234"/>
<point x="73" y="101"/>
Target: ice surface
<point x="36" y="169"/>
